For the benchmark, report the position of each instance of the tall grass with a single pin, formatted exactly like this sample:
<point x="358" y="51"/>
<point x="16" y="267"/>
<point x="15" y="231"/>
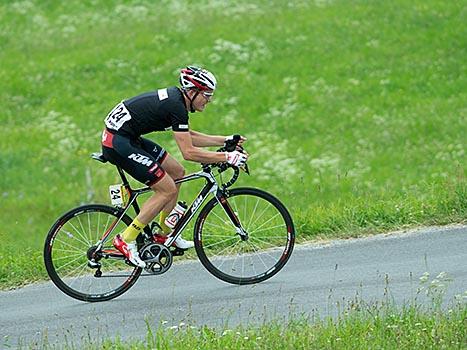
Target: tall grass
<point x="354" y="110"/>
<point x="426" y="322"/>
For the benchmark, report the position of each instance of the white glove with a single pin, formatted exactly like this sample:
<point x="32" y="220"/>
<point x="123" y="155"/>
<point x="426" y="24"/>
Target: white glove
<point x="236" y="158"/>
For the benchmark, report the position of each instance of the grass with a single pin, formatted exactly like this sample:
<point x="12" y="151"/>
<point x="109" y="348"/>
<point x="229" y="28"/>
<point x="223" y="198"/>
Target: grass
<point x="354" y="110"/>
<point x="357" y="325"/>
<point x="407" y="329"/>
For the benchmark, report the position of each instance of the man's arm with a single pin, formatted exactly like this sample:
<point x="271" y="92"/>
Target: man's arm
<point x="190" y="150"/>
<point x="202" y="140"/>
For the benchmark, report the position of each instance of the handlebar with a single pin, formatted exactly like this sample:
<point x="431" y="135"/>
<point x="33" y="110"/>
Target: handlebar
<point x="229" y="146"/>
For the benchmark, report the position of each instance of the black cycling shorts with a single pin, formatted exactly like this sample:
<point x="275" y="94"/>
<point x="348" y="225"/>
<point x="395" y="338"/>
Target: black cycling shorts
<point x="141" y="158"/>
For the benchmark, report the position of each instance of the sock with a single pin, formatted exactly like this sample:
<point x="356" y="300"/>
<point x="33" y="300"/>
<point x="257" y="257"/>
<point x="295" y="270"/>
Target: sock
<point x="132" y="231"/>
<point x="165" y="229"/>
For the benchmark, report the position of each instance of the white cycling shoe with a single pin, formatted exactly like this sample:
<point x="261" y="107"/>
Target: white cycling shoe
<point x="183" y="244"/>
<point x="179" y="242"/>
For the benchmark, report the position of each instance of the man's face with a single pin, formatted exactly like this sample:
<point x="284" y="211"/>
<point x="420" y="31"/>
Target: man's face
<point x="201" y="100"/>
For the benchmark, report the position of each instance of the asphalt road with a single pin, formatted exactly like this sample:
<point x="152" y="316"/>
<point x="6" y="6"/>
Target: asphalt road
<point x="318" y="280"/>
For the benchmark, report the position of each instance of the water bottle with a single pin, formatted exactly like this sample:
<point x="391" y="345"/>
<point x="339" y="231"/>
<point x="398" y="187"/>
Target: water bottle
<point x="175" y="215"/>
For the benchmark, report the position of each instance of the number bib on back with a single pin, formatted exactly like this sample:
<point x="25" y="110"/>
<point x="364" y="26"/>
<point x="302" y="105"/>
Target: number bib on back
<point x="117" y="117"/>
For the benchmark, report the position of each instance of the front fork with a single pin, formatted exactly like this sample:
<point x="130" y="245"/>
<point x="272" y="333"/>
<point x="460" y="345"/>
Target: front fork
<point x="233" y="216"/>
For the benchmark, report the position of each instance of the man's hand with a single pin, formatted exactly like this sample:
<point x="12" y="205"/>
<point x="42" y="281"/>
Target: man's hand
<point x="234" y="139"/>
<point x="236" y="158"/>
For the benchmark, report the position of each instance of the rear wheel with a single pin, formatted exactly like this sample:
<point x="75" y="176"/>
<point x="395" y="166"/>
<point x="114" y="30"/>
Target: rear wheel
<point x="71" y="243"/>
<point x="264" y="253"/>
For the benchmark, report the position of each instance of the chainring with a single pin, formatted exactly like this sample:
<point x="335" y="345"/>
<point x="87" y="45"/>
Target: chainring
<point x="157" y="257"/>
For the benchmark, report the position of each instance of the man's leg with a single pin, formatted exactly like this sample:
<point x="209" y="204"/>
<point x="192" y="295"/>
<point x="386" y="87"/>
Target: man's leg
<point x="176" y="171"/>
<point x="166" y="192"/>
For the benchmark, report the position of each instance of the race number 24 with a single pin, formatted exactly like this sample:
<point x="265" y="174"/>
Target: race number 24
<point x="117" y="117"/>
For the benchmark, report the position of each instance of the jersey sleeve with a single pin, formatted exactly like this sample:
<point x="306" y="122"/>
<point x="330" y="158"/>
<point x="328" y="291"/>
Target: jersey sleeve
<point x="179" y="120"/>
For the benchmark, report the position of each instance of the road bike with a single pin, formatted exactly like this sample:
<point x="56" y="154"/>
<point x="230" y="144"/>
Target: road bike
<point x="242" y="236"/>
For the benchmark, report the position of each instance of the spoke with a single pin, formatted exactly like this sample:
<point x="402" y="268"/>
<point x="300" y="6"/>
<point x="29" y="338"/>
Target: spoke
<point x="83" y="278"/>
<point x="265" y="242"/>
<point x="258" y="254"/>
<point x="71" y="273"/>
<point x="221" y="236"/>
<point x="76" y="251"/>
<point x="264" y="223"/>
<point x="265" y="252"/>
<point x="68" y="263"/>
<point x="267" y="228"/>
<point x="252" y="264"/>
<point x="220" y="218"/>
<point x="218" y="226"/>
<point x="84" y="241"/>
<point x="89" y="228"/>
<point x="225" y="258"/>
<point x="235" y="260"/>
<point x="67" y="244"/>
<point x="106" y="227"/>
<point x="220" y="242"/>
<point x="223" y="250"/>
<point x="67" y="256"/>
<point x="259" y="216"/>
<point x="78" y="275"/>
<point x="97" y="226"/>
<point x="253" y="214"/>
<point x="244" y="207"/>
<point x="243" y="267"/>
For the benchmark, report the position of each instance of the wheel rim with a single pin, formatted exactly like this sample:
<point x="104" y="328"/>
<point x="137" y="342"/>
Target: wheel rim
<point x="267" y="248"/>
<point x="73" y="240"/>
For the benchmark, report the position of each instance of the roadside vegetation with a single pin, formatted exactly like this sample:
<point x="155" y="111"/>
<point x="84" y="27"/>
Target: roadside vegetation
<point x="427" y="321"/>
<point x="409" y="328"/>
<point x="354" y="110"/>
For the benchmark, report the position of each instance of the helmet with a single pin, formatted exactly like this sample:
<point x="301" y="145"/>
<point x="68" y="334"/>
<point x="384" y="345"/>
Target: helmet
<point x="195" y="77"/>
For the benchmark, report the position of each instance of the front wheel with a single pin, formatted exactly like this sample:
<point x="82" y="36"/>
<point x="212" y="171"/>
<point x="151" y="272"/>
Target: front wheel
<point x="72" y="242"/>
<point x="270" y="241"/>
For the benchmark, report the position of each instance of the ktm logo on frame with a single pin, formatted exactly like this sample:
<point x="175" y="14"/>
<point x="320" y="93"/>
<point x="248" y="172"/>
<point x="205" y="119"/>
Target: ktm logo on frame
<point x="139" y="158"/>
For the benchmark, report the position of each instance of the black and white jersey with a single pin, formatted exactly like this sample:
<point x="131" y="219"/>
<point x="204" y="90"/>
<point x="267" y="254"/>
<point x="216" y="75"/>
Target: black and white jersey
<point x="159" y="110"/>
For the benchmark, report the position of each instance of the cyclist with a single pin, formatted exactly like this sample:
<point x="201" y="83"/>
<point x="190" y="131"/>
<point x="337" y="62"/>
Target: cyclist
<point x="148" y="162"/>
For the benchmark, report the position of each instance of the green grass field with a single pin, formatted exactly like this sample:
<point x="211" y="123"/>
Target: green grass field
<point x="355" y="111"/>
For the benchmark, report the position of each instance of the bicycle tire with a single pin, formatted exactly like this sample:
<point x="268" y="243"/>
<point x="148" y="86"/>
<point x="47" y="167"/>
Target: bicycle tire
<point x="71" y="237"/>
<point x="213" y="228"/>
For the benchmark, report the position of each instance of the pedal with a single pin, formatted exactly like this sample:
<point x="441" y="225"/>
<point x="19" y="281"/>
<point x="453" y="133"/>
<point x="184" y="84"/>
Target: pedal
<point x="177" y="252"/>
<point x="94" y="265"/>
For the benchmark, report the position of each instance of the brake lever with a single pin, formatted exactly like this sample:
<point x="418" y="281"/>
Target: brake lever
<point x="246" y="169"/>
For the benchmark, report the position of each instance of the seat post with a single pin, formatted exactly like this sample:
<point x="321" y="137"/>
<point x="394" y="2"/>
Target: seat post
<point x="122" y="175"/>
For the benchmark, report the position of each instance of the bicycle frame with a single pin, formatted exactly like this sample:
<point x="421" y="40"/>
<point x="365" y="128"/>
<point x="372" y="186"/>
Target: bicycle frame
<point x="211" y="186"/>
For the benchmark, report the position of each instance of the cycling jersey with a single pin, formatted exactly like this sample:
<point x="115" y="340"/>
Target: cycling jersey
<point x="159" y="110"/>
<point x="122" y="143"/>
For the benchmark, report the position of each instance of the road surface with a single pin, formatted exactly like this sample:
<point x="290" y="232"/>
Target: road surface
<point x="318" y="280"/>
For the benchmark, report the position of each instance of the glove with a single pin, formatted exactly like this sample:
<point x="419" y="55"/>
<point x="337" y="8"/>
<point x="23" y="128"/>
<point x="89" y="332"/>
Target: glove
<point x="236" y="158"/>
<point x="235" y="138"/>
<point x="234" y="142"/>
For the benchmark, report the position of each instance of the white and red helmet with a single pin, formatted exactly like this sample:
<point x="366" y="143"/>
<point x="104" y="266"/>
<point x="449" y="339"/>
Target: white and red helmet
<point x="195" y="77"/>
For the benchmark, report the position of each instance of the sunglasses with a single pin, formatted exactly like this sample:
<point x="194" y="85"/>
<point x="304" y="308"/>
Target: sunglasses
<point x="207" y="95"/>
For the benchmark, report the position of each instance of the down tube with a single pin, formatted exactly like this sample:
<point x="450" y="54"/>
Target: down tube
<point x="190" y="212"/>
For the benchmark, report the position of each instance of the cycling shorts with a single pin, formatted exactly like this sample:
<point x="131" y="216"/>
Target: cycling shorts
<point x="141" y="158"/>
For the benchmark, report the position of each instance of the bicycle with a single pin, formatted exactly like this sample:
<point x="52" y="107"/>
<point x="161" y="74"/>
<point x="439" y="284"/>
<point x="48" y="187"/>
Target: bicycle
<point x="242" y="236"/>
